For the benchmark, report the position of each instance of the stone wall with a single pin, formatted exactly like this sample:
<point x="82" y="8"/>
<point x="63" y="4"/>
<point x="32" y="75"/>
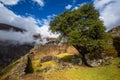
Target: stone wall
<point x="16" y="70"/>
<point x="52" y="49"/>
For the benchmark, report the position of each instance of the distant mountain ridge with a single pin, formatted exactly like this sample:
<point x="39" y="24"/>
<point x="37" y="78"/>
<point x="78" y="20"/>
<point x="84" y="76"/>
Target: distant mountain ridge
<point x="115" y="31"/>
<point x="10" y="52"/>
<point x="7" y="27"/>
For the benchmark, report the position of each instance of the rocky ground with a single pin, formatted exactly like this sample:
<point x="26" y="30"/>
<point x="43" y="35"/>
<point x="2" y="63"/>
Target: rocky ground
<point x="40" y="64"/>
<point x="63" y="67"/>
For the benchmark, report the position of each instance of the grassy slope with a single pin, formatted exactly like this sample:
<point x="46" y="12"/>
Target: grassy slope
<point x="110" y="72"/>
<point x="6" y="71"/>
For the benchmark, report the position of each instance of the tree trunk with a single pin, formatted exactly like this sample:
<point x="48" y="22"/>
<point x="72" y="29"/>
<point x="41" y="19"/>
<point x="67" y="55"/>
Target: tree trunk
<point x="83" y="54"/>
<point x="84" y="60"/>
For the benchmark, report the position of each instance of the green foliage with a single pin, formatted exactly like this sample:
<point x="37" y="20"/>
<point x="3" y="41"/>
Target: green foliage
<point x="67" y="58"/>
<point x="110" y="51"/>
<point x="82" y="28"/>
<point x="116" y="43"/>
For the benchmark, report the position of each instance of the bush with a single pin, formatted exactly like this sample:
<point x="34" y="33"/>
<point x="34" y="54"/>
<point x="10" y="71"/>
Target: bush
<point x="110" y="51"/>
<point x="116" y="43"/>
<point x="93" y="56"/>
<point x="67" y="58"/>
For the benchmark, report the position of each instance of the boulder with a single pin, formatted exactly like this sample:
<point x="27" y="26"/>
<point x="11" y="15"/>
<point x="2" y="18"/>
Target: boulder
<point x="65" y="65"/>
<point x="76" y="60"/>
<point x="95" y="62"/>
<point x="45" y="59"/>
<point x="49" y="58"/>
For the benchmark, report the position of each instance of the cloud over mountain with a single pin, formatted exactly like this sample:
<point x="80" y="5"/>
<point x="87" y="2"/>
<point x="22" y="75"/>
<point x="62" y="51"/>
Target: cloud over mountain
<point x="29" y="24"/>
<point x="9" y="2"/>
<point x="109" y="12"/>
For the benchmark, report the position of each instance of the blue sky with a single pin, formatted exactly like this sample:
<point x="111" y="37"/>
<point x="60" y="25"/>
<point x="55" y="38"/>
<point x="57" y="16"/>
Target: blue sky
<point x="28" y="7"/>
<point x="34" y="15"/>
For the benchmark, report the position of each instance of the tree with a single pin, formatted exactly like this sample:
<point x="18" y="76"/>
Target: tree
<point x="82" y="28"/>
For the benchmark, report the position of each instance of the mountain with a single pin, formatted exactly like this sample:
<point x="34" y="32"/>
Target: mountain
<point x="7" y="27"/>
<point x="10" y="52"/>
<point x="115" y="31"/>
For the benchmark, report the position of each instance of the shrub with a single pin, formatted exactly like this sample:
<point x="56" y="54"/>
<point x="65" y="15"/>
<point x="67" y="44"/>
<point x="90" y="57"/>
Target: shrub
<point x="110" y="51"/>
<point x="116" y="43"/>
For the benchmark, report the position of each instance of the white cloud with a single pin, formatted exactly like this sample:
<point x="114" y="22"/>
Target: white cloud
<point x="68" y="6"/>
<point x="40" y="2"/>
<point x="101" y="3"/>
<point x="28" y="23"/>
<point x="109" y="12"/>
<point x="75" y="8"/>
<point x="9" y="17"/>
<point x="45" y="27"/>
<point x="78" y="5"/>
<point x="9" y="2"/>
<point x="12" y="36"/>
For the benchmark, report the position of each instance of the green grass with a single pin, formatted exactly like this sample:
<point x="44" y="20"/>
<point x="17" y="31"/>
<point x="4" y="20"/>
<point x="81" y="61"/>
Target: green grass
<point x="49" y="64"/>
<point x="35" y="64"/>
<point x="38" y="68"/>
<point x="110" y="72"/>
<point x="64" y="55"/>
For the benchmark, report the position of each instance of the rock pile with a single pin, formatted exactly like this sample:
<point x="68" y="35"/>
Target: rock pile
<point x="98" y="62"/>
<point x="49" y="58"/>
